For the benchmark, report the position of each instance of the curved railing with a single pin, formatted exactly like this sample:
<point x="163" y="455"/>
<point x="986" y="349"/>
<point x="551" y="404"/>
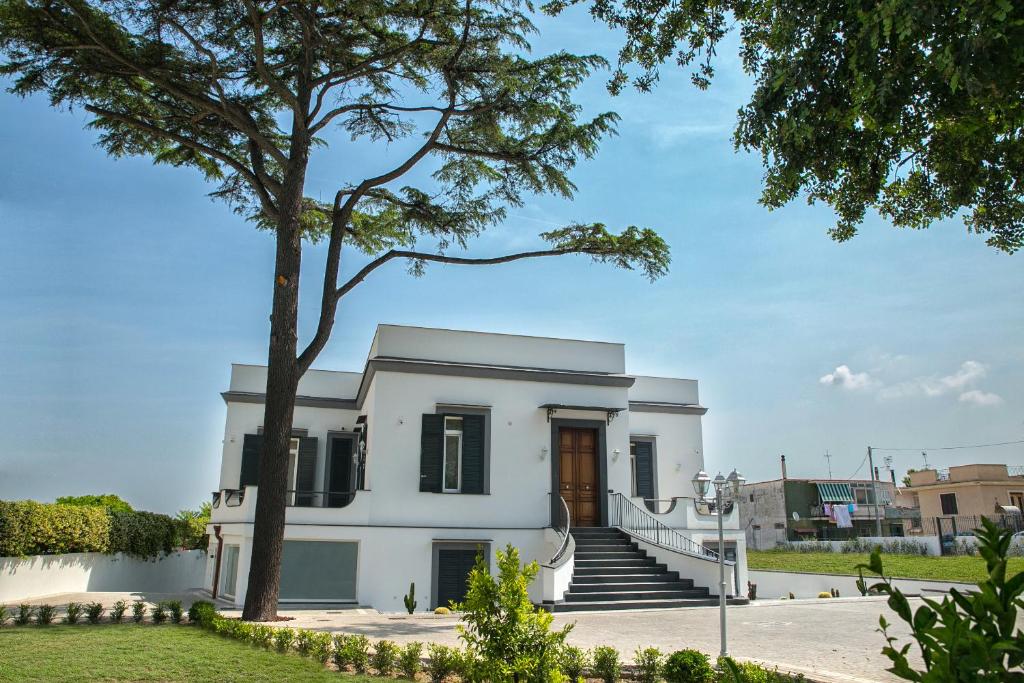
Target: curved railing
<point x="563" y="532"/>
<point x="636" y="521"/>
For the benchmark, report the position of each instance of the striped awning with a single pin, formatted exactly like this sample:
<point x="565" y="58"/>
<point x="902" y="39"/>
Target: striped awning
<point x="835" y="493"/>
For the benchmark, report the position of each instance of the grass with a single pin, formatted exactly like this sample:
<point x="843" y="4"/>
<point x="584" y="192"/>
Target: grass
<point x="961" y="568"/>
<point x="133" y="652"/>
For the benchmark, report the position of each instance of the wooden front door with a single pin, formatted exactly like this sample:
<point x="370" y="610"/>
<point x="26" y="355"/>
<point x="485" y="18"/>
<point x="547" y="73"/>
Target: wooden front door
<point x="578" y="483"/>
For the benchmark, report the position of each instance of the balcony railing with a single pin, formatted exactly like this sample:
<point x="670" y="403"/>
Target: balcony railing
<point x="300" y="499"/>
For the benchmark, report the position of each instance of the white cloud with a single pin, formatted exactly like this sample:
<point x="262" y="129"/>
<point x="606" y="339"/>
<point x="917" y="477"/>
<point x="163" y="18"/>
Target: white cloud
<point x="843" y="377"/>
<point x="981" y="398"/>
<point x="969" y="372"/>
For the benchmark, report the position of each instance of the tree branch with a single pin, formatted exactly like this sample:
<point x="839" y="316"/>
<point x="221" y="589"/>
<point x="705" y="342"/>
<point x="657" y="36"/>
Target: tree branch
<point x="259" y="49"/>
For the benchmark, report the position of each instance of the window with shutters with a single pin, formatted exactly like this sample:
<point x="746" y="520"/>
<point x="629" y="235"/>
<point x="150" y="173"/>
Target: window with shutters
<point x="452" y="455"/>
<point x="642" y="468"/>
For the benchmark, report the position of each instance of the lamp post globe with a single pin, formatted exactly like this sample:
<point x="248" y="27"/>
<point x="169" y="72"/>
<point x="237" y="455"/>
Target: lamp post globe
<point x="736" y="480"/>
<point x="701" y="484"/>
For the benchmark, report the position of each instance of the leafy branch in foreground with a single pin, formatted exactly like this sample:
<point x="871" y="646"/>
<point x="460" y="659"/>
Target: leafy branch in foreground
<point x="911" y="108"/>
<point x="966" y="636"/>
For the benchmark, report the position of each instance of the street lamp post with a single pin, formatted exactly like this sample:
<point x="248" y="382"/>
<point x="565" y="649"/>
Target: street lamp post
<point x="727" y="489"/>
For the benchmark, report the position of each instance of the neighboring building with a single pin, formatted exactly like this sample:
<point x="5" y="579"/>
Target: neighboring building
<point x="451" y="442"/>
<point x="969" y="491"/>
<point x="786" y="509"/>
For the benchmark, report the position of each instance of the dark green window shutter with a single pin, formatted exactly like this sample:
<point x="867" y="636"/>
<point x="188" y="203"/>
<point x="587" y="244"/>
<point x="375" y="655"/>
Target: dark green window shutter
<point x="250" y="472"/>
<point x="472" y="453"/>
<point x="645" y="469"/>
<point x="431" y="453"/>
<point x="305" y="471"/>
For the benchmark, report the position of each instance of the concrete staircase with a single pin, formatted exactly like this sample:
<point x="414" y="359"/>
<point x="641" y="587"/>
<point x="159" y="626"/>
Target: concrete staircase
<point x="610" y="573"/>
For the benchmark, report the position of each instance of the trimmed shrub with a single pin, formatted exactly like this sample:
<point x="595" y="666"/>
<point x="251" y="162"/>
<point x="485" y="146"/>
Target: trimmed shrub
<point x="648" y="664"/>
<point x="174" y="607"/>
<point x="105" y="500"/>
<point x="607" y="666"/>
<point x="572" y="662"/>
<point x="409" y="660"/>
<point x="748" y="672"/>
<point x="320" y="649"/>
<point x="283" y="637"/>
<point x="73" y="613"/>
<point x="383" y="658"/>
<point x="45" y="614"/>
<point x="24" y="615"/>
<point x="262" y="635"/>
<point x="31" y="528"/>
<point x="117" y="611"/>
<point x="825" y="594"/>
<point x="303" y="641"/>
<point x="159" y="613"/>
<point x="94" y="612"/>
<point x="442" y="610"/>
<point x="688" y="666"/>
<point x="202" y="613"/>
<point x="138" y="611"/>
<point x="142" y="534"/>
<point x="357" y="652"/>
<point x="443" y="662"/>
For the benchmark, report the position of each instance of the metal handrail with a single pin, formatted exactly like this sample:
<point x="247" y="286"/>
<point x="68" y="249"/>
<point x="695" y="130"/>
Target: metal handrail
<point x="564" y="532"/>
<point x="638" y="522"/>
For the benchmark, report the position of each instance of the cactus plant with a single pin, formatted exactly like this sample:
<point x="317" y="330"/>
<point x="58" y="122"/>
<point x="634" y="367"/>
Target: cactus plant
<point x="410" y="599"/>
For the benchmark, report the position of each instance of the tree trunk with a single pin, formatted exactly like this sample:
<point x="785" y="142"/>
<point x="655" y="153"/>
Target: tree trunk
<point x="283" y="375"/>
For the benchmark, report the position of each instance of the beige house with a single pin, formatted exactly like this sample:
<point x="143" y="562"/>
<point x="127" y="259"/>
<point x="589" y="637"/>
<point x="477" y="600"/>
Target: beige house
<point x="978" y="490"/>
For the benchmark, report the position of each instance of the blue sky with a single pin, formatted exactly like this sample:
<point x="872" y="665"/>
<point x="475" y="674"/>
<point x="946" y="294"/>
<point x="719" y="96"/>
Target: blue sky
<point x="127" y="293"/>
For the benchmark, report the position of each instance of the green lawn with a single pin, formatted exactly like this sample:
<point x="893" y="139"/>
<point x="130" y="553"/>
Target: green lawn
<point x="967" y="569"/>
<point x="108" y="652"/>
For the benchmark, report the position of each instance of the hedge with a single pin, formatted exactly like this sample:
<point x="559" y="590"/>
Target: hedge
<point x="31" y="528"/>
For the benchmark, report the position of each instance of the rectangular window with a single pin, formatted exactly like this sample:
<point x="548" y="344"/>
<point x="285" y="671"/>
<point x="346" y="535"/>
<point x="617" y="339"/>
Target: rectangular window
<point x="229" y="571"/>
<point x="1017" y="499"/>
<point x="452" y="455"/>
<point x="948" y="502"/>
<point x="293" y="467"/>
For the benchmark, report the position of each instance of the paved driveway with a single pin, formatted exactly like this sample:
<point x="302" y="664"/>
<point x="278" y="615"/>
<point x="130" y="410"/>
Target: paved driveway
<point x="827" y="640"/>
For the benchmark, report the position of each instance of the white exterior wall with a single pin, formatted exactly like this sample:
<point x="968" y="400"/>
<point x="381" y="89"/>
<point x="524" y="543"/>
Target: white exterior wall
<point x="395" y="524"/>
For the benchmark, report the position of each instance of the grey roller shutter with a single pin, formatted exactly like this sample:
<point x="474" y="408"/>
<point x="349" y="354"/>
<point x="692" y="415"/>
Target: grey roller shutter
<point x="305" y="471"/>
<point x="645" y="469"/>
<point x="431" y="453"/>
<point x="250" y="471"/>
<point x="472" y="453"/>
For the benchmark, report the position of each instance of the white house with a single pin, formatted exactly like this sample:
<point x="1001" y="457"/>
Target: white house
<point x="449" y="443"/>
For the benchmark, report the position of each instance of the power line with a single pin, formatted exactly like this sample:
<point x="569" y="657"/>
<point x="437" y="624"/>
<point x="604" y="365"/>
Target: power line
<point x="859" y="467"/>
<point x="950" y="448"/>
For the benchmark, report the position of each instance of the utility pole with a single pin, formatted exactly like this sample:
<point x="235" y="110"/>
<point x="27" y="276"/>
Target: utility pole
<point x="828" y="458"/>
<point x="874" y="491"/>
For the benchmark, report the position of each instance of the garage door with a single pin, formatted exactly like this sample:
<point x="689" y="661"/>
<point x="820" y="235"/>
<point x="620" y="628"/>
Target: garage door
<point x="318" y="571"/>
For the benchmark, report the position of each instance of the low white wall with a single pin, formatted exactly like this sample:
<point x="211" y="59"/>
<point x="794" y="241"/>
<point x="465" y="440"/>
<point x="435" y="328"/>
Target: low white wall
<point x="772" y="585"/>
<point x="39" y="575"/>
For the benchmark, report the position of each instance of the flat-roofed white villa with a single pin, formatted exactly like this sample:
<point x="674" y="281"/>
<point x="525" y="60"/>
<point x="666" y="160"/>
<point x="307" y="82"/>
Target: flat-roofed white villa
<point x="448" y="442"/>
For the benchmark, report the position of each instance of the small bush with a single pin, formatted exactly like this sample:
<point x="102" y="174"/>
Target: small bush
<point x="606" y="665"/>
<point x="45" y="614"/>
<point x="138" y="611"/>
<point x="174" y="607"/>
<point x="303" y="641"/>
<point x="748" y="672"/>
<point x="94" y="612"/>
<point x="409" y="660"/>
<point x="202" y="613"/>
<point x="688" y="666"/>
<point x="442" y="610"/>
<point x="117" y="611"/>
<point x="357" y="652"/>
<point x="443" y="662"/>
<point x="320" y="648"/>
<point x="262" y="635"/>
<point x="283" y="639"/>
<point x="472" y="669"/>
<point x="648" y="664"/>
<point x="24" y="615"/>
<point x="383" y="659"/>
<point x="159" y="613"/>
<point x="74" y="613"/>
<point x="3" y="614"/>
<point x="824" y="594"/>
<point x="572" y="662"/>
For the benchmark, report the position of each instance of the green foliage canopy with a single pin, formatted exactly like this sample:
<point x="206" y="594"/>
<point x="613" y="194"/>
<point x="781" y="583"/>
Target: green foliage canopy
<point x="107" y="500"/>
<point x="913" y="108"/>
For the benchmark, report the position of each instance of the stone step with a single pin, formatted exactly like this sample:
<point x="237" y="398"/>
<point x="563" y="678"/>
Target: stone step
<point x="598" y="605"/>
<point x="634" y="595"/>
<point x="610" y="555"/>
<point x="585" y="563"/>
<point x="604" y="569"/>
<point x="629" y="583"/>
<point x="651" y="577"/>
